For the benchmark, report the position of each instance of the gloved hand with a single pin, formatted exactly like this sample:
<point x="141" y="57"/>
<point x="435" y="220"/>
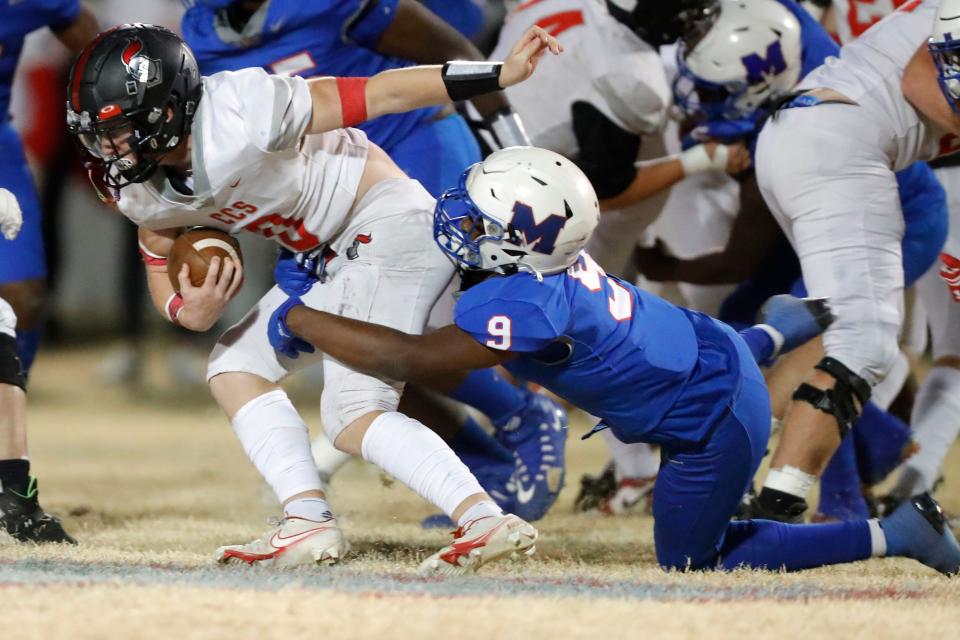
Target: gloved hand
<point x="281" y="338"/>
<point x="797" y="320"/>
<point x="295" y="273"/>
<point x="725" y="131"/>
<point x="11" y="218"/>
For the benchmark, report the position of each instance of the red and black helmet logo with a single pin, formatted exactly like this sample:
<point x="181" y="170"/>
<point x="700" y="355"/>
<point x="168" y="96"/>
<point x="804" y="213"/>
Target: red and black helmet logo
<point x="144" y="70"/>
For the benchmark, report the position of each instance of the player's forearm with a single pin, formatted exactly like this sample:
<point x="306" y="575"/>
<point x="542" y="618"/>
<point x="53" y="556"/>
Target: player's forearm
<point x="712" y="268"/>
<point x="158" y="283"/>
<point x="399" y="90"/>
<point x="366" y="347"/>
<point x="650" y="179"/>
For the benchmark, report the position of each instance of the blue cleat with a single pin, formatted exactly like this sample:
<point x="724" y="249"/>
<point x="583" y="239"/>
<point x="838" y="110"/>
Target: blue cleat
<point x="918" y="529"/>
<point x="791" y="321"/>
<point x="537" y="436"/>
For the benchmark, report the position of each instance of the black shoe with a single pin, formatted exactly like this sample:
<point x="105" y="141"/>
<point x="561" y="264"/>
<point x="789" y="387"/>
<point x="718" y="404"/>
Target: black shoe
<point x="594" y="490"/>
<point x="789" y="513"/>
<point x="25" y="521"/>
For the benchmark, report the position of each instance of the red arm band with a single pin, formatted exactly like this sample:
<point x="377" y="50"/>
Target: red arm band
<point x="173" y="307"/>
<point x="353" y="100"/>
<point x="151" y="258"/>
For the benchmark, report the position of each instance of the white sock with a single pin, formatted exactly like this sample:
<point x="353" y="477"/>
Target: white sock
<point x="790" y="480"/>
<point x="483" y="509"/>
<point x="420" y="459"/>
<point x="309" y="508"/>
<point x="637" y="460"/>
<point x="936" y="425"/>
<point x="878" y="540"/>
<point x="275" y="439"/>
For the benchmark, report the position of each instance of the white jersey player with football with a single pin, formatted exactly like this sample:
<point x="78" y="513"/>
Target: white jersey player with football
<point x="247" y="151"/>
<point x="825" y="164"/>
<point x="936" y="413"/>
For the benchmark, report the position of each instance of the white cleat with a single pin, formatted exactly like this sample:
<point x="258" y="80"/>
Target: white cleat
<point x="482" y="541"/>
<point x="293" y="542"/>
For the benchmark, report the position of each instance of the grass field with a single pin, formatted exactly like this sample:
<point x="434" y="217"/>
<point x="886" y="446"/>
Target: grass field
<point x="151" y="482"/>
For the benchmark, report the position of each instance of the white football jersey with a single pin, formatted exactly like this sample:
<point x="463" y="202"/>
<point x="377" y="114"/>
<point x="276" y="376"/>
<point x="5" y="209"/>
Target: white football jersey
<point x="869" y="71"/>
<point x="854" y="17"/>
<point x="604" y="64"/>
<point x="254" y="169"/>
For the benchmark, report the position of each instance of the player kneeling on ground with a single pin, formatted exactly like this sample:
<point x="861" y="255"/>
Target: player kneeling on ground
<point x="651" y="371"/>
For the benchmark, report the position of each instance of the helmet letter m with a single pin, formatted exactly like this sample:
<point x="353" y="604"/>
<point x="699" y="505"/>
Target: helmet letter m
<point x="541" y="237"/>
<point x="760" y="67"/>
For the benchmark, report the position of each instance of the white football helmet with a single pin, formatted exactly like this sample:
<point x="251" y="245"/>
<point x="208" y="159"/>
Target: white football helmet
<point x="521" y="209"/>
<point x="944" y="46"/>
<point x="751" y="54"/>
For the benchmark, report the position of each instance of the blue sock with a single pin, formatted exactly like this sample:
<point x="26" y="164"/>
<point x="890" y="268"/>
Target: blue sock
<point x="27" y="344"/>
<point x="760" y="343"/>
<point x="477" y="448"/>
<point x="840" y="494"/>
<point x="765" y="544"/>
<point x="880" y="438"/>
<point x="486" y="391"/>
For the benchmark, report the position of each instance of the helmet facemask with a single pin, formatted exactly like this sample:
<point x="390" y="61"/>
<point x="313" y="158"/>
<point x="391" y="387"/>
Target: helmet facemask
<point x="461" y="230"/>
<point x="946" y="57"/>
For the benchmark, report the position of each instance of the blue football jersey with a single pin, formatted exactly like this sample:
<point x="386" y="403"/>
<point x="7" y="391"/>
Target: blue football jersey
<point x="19" y="18"/>
<point x="315" y="38"/>
<point x="652" y="371"/>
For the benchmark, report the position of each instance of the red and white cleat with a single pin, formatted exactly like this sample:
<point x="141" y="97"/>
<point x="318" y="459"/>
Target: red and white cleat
<point x="482" y="541"/>
<point x="293" y="542"/>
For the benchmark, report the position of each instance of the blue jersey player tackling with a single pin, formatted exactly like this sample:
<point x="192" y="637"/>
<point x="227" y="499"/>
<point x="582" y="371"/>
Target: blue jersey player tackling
<point x="651" y="371"/>
<point x="432" y="145"/>
<point x="23" y="270"/>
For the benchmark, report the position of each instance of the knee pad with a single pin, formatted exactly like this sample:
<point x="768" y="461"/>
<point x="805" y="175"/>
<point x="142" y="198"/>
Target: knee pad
<point x="11" y="370"/>
<point x="841" y="400"/>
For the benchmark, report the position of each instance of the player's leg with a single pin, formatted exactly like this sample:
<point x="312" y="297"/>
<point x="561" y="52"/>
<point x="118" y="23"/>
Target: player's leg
<point x="243" y="373"/>
<point x="394" y="280"/>
<point x="21" y="517"/>
<point x="698" y="490"/>
<point x="22" y="266"/>
<point x="842" y="214"/>
<point x="936" y="413"/>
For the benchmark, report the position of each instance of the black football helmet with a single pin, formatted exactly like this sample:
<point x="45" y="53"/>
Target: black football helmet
<point x="660" y="22"/>
<point x="131" y="99"/>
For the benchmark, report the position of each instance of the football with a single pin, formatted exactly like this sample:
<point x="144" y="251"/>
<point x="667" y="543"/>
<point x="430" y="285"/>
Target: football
<point x="196" y="248"/>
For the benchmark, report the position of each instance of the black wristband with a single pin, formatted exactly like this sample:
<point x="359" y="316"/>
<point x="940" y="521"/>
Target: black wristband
<point x="465" y="80"/>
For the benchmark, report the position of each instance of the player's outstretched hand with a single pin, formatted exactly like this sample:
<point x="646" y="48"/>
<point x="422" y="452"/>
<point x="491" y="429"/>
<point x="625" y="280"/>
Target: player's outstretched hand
<point x="11" y="218"/>
<point x="523" y="59"/>
<point x="203" y="305"/>
<point x="295" y="273"/>
<point x="281" y="338"/>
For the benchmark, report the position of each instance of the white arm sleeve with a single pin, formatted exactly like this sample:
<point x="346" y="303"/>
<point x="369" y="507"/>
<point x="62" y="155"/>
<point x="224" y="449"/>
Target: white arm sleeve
<point x="276" y="109"/>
